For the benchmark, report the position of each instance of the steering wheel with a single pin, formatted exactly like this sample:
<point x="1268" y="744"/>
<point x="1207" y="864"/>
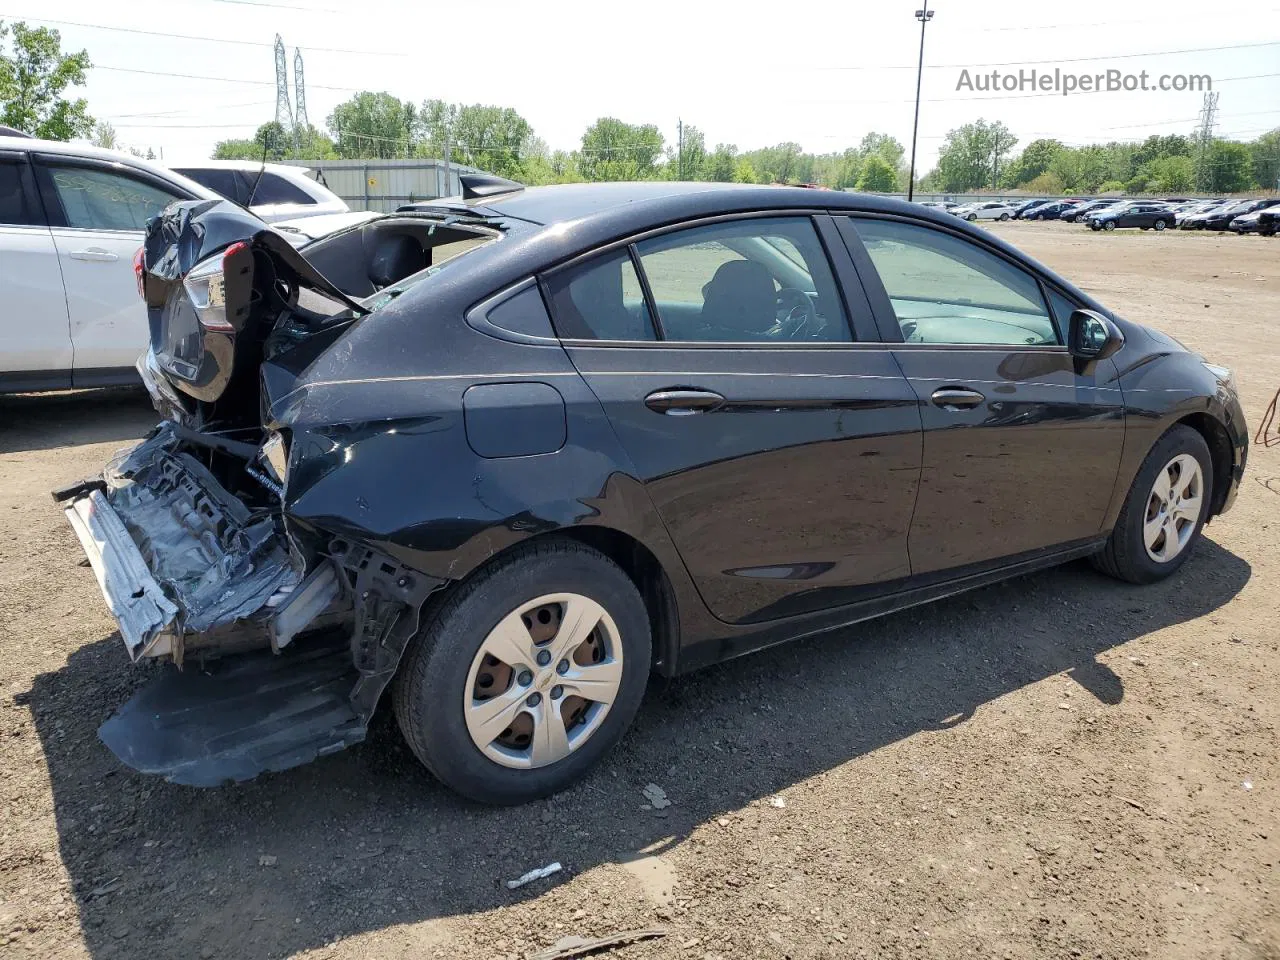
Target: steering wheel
<point x="796" y="313"/>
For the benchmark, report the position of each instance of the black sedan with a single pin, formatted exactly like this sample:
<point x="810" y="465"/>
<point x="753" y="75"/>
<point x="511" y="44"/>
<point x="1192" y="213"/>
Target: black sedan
<point x="1145" y="214"/>
<point x="1221" y="218"/>
<point x="1047" y="211"/>
<point x="501" y="457"/>
<point x="1269" y="221"/>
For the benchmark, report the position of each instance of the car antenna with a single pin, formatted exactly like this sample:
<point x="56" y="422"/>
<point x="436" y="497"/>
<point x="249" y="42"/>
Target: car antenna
<point x="261" y="170"/>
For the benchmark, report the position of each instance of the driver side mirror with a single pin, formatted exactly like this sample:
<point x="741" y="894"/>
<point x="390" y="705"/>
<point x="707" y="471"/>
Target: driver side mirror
<point x="1091" y="337"/>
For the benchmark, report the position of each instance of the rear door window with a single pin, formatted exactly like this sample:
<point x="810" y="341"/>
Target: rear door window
<point x="273" y="188"/>
<point x="224" y="182"/>
<point x="99" y="199"/>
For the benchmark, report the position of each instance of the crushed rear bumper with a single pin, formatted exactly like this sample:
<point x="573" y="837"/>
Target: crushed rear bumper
<point x="184" y="566"/>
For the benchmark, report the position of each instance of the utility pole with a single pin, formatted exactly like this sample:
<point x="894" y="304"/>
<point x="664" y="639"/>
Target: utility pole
<point x="924" y="15"/>
<point x="679" y="149"/>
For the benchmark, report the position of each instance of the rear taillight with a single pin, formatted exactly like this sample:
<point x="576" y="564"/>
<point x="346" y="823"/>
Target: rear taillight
<point x="206" y="289"/>
<point x="139" y="272"/>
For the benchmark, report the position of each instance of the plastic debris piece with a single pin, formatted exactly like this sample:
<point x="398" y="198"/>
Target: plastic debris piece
<point x="533" y="875"/>
<point x="656" y="796"/>
<point x="778" y="801"/>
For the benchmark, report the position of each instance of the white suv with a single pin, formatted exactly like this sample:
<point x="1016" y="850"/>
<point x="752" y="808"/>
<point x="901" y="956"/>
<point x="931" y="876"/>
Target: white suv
<point x="273" y="191"/>
<point x="71" y="220"/>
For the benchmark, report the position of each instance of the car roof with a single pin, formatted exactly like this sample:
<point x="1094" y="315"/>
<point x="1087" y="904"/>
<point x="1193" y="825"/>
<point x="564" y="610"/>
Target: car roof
<point x="653" y="203"/>
<point x="251" y="166"/>
<point x="89" y="152"/>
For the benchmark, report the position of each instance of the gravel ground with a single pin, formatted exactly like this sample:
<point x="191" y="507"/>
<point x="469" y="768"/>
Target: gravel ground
<point x="1059" y="766"/>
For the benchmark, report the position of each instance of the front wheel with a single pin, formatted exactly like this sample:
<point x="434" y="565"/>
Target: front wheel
<point x="1159" y="225"/>
<point x="1164" y="512"/>
<point x="1095" y="225"/>
<point x="521" y="681"/>
<point x="1110" y="225"/>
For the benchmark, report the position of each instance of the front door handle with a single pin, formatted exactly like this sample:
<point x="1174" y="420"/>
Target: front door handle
<point x="96" y="254"/>
<point x="956" y="398"/>
<point x="683" y="401"/>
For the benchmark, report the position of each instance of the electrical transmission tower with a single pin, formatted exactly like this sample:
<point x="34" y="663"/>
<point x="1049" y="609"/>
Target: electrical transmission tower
<point x="299" y="92"/>
<point x="284" y="115"/>
<point x="1204" y="142"/>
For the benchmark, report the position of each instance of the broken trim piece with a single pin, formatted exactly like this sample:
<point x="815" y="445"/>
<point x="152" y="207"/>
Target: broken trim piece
<point x="133" y="596"/>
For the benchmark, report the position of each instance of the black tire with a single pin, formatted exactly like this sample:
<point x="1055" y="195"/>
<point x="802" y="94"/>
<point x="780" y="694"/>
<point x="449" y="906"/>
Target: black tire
<point x="1125" y="554"/>
<point x="1159" y="225"/>
<point x="1003" y="217"/>
<point x="972" y="217"/>
<point x="1095" y="225"/>
<point x="1109" y="225"/>
<point x="428" y="690"/>
<point x="1038" y="216"/>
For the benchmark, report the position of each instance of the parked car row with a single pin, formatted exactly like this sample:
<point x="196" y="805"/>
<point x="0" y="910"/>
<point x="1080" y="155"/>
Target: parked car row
<point x="71" y="223"/>
<point x="1111" y="213"/>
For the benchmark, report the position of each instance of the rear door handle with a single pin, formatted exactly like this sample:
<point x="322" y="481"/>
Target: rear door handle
<point x="956" y="398"/>
<point x="683" y="402"/>
<point x="94" y="253"/>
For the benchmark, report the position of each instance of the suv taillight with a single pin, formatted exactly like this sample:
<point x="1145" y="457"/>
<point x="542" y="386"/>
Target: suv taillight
<point x="139" y="272"/>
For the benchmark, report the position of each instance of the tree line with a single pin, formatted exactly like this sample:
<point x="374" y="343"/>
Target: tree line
<point x="498" y="139"/>
<point x="980" y="156"/>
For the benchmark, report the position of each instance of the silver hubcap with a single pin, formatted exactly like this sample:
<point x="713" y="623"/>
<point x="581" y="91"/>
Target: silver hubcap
<point x="1173" y="509"/>
<point x="543" y="681"/>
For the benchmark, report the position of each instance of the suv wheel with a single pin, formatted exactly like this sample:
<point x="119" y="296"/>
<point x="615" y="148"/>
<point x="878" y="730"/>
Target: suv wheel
<point x="1164" y="512"/>
<point x="527" y="674"/>
<point x="1159" y="224"/>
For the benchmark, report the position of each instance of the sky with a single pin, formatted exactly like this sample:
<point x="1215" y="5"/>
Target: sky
<point x="818" y="72"/>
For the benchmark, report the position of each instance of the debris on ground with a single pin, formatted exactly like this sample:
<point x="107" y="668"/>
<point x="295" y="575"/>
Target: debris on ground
<point x="572" y="946"/>
<point x="656" y="796"/>
<point x="778" y="801"/>
<point x="268" y="861"/>
<point x="533" y="875"/>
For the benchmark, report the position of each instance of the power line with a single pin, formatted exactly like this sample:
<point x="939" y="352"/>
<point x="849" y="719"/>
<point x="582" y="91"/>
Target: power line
<point x="188" y="36"/>
<point x="203" y="76"/>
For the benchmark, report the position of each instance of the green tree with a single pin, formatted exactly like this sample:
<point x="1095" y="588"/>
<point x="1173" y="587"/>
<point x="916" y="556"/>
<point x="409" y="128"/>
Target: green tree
<point x="972" y="154"/>
<point x="781" y="163"/>
<point x="884" y="146"/>
<point x="721" y="162"/>
<point x="878" y="175"/>
<point x="478" y="135"/>
<point x="614" y="150"/>
<point x="104" y="136"/>
<point x="744" y="172"/>
<point x="1048" y="184"/>
<point x="237" y="150"/>
<point x="1266" y="160"/>
<point x="848" y="169"/>
<point x="1033" y="161"/>
<point x="374" y="126"/>
<point x="1230" y="167"/>
<point x="1166" y="174"/>
<point x="32" y="80"/>
<point x="687" y="162"/>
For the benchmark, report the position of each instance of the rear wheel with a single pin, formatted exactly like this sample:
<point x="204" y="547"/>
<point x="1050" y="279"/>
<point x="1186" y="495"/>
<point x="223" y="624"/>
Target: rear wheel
<point x="1003" y="217"/>
<point x="526" y="676"/>
<point x="972" y="217"/>
<point x="1164" y="512"/>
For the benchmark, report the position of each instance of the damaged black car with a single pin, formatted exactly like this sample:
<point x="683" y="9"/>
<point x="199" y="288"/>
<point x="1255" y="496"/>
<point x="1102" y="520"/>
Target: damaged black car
<point x="498" y="458"/>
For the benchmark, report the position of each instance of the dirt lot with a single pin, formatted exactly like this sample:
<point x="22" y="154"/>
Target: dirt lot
<point x="1061" y="766"/>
